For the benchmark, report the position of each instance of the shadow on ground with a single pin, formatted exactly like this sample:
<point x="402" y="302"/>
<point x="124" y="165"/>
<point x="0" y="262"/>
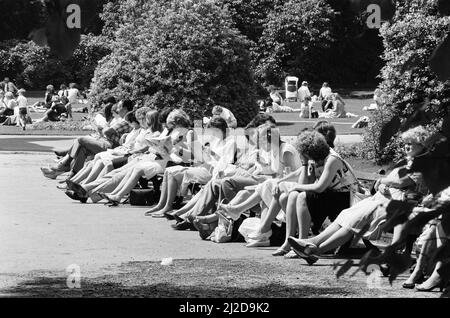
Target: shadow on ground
<point x="223" y="278"/>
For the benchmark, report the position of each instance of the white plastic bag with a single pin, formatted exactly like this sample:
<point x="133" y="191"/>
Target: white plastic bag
<point x="249" y="226"/>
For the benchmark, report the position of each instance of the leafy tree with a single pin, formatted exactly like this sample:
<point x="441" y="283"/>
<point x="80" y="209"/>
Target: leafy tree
<point x="249" y="16"/>
<point x="32" y="66"/>
<point x="294" y="41"/>
<point x="407" y="77"/>
<point x="415" y="41"/>
<point x="179" y="53"/>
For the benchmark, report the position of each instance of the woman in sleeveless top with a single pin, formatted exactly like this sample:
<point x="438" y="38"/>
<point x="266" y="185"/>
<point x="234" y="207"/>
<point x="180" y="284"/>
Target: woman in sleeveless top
<point x="369" y="214"/>
<point x="323" y="190"/>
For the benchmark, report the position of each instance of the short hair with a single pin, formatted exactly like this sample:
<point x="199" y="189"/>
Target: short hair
<point x="217" y="110"/>
<point x="305" y="83"/>
<point x="63" y="86"/>
<point x="313" y="145"/>
<point x="6" y="79"/>
<point x="50" y="88"/>
<point x="219" y="123"/>
<point x="72" y="85"/>
<point x="21" y="91"/>
<point x="153" y="122"/>
<point x="131" y="118"/>
<point x="128" y="105"/>
<point x="327" y="130"/>
<point x="261" y="119"/>
<point x="325" y="84"/>
<point x="179" y="118"/>
<point x="418" y="135"/>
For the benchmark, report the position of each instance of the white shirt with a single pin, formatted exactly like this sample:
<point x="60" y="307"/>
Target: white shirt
<point x="325" y="91"/>
<point x="303" y="92"/>
<point x="72" y="95"/>
<point x="22" y="101"/>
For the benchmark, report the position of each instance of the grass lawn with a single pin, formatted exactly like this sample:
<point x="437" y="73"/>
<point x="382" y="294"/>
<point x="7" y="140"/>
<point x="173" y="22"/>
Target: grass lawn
<point x="290" y="124"/>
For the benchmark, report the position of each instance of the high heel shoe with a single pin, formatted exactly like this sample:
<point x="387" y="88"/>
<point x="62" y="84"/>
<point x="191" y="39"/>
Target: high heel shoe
<point x="440" y="284"/>
<point x="412" y="285"/>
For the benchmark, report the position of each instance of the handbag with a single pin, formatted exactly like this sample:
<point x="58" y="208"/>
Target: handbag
<point x="143" y="197"/>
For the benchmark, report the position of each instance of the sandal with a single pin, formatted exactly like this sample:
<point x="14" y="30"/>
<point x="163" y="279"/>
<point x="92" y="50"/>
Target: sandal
<point x="280" y="252"/>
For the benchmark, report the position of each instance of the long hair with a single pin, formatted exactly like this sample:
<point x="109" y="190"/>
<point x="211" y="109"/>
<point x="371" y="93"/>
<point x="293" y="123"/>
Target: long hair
<point x="153" y="121"/>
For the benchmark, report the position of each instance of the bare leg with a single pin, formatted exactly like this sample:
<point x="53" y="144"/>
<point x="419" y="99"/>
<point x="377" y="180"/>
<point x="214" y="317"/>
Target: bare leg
<point x="428" y="247"/>
<point x="237" y="208"/>
<point x="172" y="188"/>
<point x="337" y="239"/>
<point x="188" y="208"/>
<point x="434" y="281"/>
<point x="95" y="171"/>
<point x="291" y="218"/>
<point x="163" y="197"/>
<point x="270" y="215"/>
<point x="130" y="183"/>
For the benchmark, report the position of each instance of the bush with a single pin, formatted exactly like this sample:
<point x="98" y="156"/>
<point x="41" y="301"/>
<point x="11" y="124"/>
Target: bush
<point x="409" y="43"/>
<point x="294" y="41"/>
<point x="182" y="54"/>
<point x="33" y="67"/>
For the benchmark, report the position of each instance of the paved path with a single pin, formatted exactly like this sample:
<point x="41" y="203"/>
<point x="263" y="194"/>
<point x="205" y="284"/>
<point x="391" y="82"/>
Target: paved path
<point x="47" y="144"/>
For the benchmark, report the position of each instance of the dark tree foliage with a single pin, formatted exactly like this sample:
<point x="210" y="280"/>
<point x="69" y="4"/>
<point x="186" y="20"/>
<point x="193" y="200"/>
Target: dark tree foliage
<point x="249" y="16"/>
<point x="19" y="17"/>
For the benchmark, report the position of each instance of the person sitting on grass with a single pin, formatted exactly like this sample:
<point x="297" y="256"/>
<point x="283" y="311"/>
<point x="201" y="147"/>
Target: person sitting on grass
<point x="371" y="212"/>
<point x="11" y="105"/>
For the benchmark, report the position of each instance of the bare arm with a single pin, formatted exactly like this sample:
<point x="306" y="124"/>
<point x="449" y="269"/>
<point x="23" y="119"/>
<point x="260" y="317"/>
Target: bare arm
<point x="330" y="170"/>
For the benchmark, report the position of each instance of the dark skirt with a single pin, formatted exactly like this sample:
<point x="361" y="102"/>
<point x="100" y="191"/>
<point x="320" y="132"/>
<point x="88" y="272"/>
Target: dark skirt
<point x="327" y="204"/>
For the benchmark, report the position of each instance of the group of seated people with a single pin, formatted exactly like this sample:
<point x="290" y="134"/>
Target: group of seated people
<point x="332" y="104"/>
<point x="242" y="172"/>
<point x="57" y="106"/>
<point x="14" y="111"/>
